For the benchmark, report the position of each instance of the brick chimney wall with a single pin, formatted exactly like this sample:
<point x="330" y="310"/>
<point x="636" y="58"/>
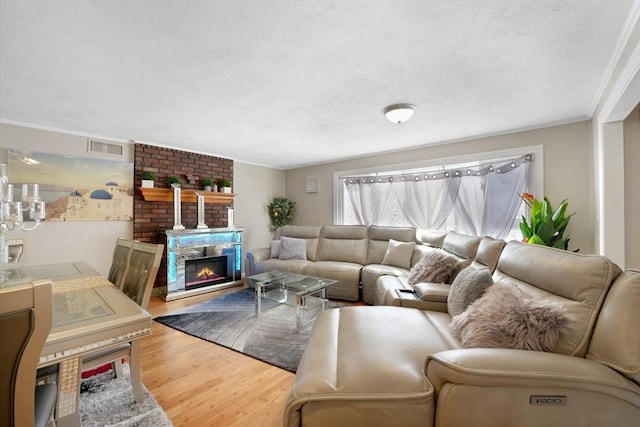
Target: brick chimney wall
<point x="151" y="219"/>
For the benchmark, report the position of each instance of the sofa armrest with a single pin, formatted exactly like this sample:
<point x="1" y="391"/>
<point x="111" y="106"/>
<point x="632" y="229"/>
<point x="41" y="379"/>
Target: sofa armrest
<point x="435" y="292"/>
<point x="254" y="256"/>
<point x="564" y="388"/>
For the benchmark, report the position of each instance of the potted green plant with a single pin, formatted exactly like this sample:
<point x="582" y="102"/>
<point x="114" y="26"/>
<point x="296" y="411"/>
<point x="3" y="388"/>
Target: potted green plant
<point x="206" y="183"/>
<point x="281" y="211"/>
<point x="547" y="225"/>
<point x="147" y="179"/>
<point x="225" y="185"/>
<point x="173" y="179"/>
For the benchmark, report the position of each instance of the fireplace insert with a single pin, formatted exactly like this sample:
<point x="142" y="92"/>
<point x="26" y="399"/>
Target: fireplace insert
<point x="206" y="271"/>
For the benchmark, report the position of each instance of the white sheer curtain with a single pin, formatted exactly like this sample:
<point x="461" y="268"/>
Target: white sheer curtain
<point x="488" y="202"/>
<point x="427" y="204"/>
<point x="369" y="199"/>
<point x="479" y="200"/>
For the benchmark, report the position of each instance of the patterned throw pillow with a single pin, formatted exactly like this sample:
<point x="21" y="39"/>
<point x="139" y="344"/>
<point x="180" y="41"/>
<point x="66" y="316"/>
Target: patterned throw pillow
<point x="505" y="317"/>
<point x="468" y="286"/>
<point x="399" y="254"/>
<point x="436" y="267"/>
<point x="292" y="248"/>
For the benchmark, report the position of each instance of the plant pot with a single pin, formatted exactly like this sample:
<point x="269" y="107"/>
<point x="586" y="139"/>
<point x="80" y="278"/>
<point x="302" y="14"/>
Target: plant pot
<point x="147" y="183"/>
<point x="226" y="189"/>
<point x="207" y="188"/>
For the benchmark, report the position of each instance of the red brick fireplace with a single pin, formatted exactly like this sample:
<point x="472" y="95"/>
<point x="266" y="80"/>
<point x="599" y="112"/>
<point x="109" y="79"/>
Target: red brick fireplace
<point x="152" y="218"/>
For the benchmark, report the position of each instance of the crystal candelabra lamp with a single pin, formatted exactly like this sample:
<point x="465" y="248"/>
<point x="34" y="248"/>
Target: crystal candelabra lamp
<point x="12" y="213"/>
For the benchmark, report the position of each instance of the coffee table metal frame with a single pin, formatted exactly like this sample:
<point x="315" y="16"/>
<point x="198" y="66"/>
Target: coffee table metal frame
<point x="297" y="290"/>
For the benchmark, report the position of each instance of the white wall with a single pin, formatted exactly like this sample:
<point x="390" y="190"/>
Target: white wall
<point x="632" y="188"/>
<point x="256" y="186"/>
<point x="93" y="241"/>
<point x="620" y="96"/>
<point x="567" y="173"/>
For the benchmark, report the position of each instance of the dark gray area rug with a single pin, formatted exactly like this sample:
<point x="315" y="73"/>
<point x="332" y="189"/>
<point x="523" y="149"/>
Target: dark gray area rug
<point x="230" y="321"/>
<point x="106" y="401"/>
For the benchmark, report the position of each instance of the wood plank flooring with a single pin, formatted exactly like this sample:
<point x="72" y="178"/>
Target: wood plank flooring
<point x="203" y="384"/>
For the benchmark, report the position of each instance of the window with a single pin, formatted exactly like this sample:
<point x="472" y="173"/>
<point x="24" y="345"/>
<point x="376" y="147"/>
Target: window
<point x="477" y="197"/>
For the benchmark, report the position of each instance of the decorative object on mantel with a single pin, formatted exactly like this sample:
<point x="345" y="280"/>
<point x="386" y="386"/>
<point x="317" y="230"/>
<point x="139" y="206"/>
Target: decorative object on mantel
<point x="230" y="218"/>
<point x="225" y="186"/>
<point x="11" y="213"/>
<point x="201" y="223"/>
<point x="177" y="207"/>
<point x="399" y="113"/>
<point x="206" y="183"/>
<point x="281" y="211"/>
<point x="174" y="179"/>
<point x="547" y="225"/>
<point x="147" y="179"/>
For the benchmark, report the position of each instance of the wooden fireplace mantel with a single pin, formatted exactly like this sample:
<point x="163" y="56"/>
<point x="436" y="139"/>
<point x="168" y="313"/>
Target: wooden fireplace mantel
<point x="166" y="195"/>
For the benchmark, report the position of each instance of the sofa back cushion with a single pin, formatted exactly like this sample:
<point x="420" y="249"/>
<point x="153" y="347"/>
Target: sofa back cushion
<point x="379" y="237"/>
<point x="433" y="238"/>
<point x="346" y="243"/>
<point x="578" y="282"/>
<point x="462" y="245"/>
<point x="489" y="250"/>
<point x="310" y="233"/>
<point x="616" y="338"/>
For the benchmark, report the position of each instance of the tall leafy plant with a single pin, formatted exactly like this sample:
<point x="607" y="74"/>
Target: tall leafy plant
<point x="546" y="225"/>
<point x="281" y="211"/>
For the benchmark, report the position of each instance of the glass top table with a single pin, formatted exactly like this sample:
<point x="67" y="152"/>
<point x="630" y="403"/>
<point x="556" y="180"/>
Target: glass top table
<point x="89" y="314"/>
<point x="297" y="290"/>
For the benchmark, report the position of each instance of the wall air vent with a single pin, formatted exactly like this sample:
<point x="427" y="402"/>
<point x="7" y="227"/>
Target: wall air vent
<point x="103" y="147"/>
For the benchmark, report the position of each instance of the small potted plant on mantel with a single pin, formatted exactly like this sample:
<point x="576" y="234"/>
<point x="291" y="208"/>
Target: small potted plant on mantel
<point x="206" y="183"/>
<point x="147" y="179"/>
<point x="225" y="186"/>
<point x="173" y="179"/>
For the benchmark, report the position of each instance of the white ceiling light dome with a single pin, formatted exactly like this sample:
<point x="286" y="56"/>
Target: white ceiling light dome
<point x="399" y="113"/>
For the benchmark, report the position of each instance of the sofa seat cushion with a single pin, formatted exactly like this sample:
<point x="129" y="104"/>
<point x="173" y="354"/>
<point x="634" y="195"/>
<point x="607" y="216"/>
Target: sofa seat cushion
<point x="292" y="265"/>
<point x="346" y="273"/>
<point x="370" y="275"/>
<point x="346" y="377"/>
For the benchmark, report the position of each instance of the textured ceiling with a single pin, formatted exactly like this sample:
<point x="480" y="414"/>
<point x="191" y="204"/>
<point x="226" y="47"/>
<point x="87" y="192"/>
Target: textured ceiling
<point x="293" y="83"/>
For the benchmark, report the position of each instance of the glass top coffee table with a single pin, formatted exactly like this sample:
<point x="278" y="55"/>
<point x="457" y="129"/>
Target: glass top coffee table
<point x="297" y="290"/>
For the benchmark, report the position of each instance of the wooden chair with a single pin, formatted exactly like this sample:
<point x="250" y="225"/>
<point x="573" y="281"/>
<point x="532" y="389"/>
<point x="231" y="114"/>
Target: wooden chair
<point x="144" y="263"/>
<point x="120" y="261"/>
<point x="19" y="249"/>
<point x="25" y="323"/>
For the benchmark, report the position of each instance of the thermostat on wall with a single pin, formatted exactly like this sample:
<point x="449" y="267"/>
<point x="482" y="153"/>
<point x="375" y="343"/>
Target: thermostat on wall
<point x="311" y="184"/>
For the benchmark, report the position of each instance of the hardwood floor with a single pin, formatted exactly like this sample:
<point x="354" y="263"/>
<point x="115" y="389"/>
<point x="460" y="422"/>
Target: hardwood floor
<point x="203" y="384"/>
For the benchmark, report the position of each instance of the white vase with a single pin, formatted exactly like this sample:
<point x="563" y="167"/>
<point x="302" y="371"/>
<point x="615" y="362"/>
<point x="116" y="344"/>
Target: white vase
<point x="147" y="183"/>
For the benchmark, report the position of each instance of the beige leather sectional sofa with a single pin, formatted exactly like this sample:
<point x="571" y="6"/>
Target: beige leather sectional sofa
<point x="400" y="366"/>
<point x="354" y="255"/>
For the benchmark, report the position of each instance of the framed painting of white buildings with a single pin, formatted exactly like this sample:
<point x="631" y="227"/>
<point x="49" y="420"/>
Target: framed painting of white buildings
<point x="76" y="188"/>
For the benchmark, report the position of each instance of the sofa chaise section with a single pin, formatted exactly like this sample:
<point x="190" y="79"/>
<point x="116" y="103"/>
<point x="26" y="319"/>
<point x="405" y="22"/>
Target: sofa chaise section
<point x="385" y="365"/>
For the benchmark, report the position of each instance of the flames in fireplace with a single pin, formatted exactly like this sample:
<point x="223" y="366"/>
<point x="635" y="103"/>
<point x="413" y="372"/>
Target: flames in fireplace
<point x="206" y="273"/>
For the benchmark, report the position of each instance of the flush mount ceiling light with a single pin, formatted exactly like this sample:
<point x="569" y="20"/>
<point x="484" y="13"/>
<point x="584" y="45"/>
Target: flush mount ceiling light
<point x="399" y="113"/>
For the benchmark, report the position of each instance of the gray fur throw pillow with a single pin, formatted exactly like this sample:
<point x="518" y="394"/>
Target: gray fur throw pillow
<point x="435" y="267"/>
<point x="505" y="317"/>
<point x="468" y="286"/>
